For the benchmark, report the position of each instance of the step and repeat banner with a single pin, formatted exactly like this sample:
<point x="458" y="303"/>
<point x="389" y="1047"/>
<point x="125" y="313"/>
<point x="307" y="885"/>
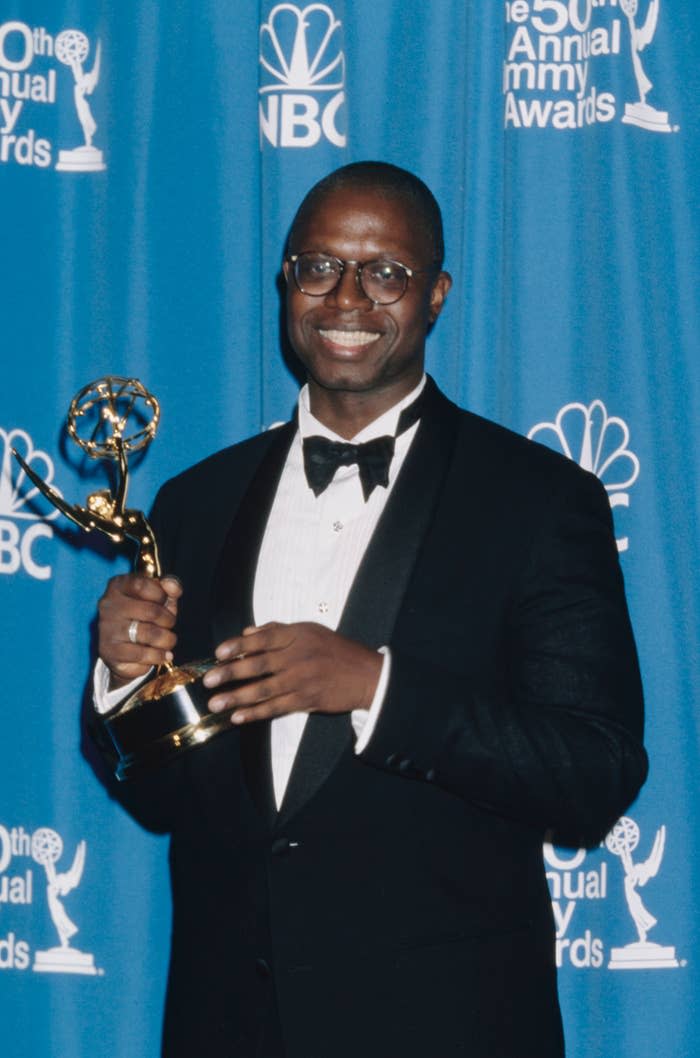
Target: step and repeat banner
<point x="151" y="159"/>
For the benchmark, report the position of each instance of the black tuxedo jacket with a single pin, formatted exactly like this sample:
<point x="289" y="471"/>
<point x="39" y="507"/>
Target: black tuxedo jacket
<point x="397" y="905"/>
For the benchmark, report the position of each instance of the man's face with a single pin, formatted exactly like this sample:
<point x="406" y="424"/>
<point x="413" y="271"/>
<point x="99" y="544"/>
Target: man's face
<point x="344" y="340"/>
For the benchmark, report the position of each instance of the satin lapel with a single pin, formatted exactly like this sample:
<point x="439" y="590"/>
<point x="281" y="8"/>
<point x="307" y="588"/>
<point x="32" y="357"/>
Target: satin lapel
<point x="232" y="602"/>
<point x="380" y="584"/>
<point x="232" y="595"/>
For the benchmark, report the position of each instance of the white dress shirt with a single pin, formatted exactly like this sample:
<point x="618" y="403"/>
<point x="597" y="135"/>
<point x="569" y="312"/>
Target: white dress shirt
<point x="311" y="551"/>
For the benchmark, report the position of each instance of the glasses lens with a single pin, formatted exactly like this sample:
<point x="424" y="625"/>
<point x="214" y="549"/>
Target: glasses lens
<point x="316" y="273"/>
<point x="384" y="281"/>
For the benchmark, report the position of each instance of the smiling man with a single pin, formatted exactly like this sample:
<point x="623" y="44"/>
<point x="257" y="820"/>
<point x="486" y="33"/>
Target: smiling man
<point x="424" y="646"/>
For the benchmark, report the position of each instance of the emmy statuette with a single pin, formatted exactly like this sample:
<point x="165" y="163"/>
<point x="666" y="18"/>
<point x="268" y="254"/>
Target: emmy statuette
<point x="169" y="713"/>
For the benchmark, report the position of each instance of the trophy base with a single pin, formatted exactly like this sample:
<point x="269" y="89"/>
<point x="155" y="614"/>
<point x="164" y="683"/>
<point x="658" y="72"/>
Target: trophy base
<point x="646" y="117"/>
<point x="643" y="955"/>
<point x="64" y="961"/>
<point x="81" y="160"/>
<point x="165" y="717"/>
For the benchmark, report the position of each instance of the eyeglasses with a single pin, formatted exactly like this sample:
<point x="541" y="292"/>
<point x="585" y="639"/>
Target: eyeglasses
<point x="382" y="281"/>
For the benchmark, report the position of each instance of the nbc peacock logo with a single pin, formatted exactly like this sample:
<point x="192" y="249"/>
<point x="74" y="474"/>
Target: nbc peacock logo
<point x="19" y="505"/>
<point x="302" y="77"/>
<point x="598" y="442"/>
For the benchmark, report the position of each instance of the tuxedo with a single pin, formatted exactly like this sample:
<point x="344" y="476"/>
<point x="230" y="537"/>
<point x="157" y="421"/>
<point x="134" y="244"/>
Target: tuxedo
<point x="396" y="904"/>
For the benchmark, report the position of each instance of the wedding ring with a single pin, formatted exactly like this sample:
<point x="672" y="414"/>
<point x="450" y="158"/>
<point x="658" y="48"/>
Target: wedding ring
<point x="133" y="631"/>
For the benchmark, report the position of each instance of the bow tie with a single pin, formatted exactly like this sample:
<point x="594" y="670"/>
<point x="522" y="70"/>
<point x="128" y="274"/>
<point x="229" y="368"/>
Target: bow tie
<point x="322" y="457"/>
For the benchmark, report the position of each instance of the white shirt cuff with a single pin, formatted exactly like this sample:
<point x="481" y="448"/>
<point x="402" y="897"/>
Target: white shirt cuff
<point x="103" y="699"/>
<point x="364" y="720"/>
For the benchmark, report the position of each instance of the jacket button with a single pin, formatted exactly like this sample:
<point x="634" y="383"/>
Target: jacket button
<point x="392" y="760"/>
<point x="430" y="775"/>
<point x="406" y="766"/>
<point x="280" y="847"/>
<point x="263" y="970"/>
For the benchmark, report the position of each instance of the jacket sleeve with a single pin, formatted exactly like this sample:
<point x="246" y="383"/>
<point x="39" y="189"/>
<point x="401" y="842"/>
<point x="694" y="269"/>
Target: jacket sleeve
<point x="152" y="797"/>
<point x="550" y="733"/>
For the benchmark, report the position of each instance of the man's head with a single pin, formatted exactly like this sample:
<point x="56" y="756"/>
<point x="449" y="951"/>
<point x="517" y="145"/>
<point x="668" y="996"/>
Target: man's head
<point x="390" y="182"/>
<point x="364" y="281"/>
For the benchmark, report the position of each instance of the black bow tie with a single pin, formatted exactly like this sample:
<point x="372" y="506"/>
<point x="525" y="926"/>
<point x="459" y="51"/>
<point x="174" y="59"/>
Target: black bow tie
<point x="322" y="457"/>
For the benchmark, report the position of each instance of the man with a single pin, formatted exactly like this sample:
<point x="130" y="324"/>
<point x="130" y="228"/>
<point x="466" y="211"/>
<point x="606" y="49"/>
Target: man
<point x="429" y="664"/>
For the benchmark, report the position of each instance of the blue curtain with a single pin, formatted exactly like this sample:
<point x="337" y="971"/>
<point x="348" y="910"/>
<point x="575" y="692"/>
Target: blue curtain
<point x="151" y="159"/>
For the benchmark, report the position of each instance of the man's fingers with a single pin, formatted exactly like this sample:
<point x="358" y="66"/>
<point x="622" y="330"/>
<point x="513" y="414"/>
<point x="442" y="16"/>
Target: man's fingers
<point x="247" y="667"/>
<point x="144" y="634"/>
<point x="135" y="586"/>
<point x="135" y="655"/>
<point x="134" y="608"/>
<point x="265" y="710"/>
<point x="148" y="645"/>
<point x="249" y="694"/>
<point x="272" y="636"/>
<point x="137" y="617"/>
<point x="173" y="589"/>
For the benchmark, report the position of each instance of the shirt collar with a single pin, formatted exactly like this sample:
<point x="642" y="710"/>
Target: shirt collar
<point x="385" y="424"/>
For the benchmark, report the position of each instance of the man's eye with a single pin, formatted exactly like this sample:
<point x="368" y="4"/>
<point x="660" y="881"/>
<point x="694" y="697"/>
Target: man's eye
<point x="322" y="268"/>
<point x="319" y="267"/>
<point x="387" y="273"/>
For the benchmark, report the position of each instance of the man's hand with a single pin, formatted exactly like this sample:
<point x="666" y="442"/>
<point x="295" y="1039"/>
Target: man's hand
<point x="153" y="604"/>
<point x="293" y="668"/>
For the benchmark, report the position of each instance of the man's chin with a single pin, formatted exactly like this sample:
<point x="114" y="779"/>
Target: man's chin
<point x="347" y="380"/>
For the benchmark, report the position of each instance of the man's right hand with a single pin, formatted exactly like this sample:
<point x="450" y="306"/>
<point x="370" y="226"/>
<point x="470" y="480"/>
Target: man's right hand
<point x="153" y="604"/>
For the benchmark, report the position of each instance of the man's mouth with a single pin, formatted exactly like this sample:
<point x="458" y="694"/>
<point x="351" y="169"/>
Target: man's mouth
<point x="349" y="339"/>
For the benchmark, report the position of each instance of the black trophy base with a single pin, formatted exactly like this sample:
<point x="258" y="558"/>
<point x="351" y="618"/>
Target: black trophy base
<point x="163" y="719"/>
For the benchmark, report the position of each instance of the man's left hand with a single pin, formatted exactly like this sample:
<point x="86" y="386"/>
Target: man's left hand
<point x="293" y="668"/>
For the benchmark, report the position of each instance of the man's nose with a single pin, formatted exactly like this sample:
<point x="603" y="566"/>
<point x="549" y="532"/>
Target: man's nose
<point x="349" y="294"/>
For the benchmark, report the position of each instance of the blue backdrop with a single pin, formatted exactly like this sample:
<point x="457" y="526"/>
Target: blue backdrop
<point x="151" y="158"/>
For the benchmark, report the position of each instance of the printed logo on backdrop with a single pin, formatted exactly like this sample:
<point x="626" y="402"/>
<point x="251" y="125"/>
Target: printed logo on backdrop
<point x="579" y="878"/>
<point x="43" y="77"/>
<point x="18" y="539"/>
<point x="563" y="56"/>
<point x="597" y="442"/>
<point x="29" y="873"/>
<point x="302" y="77"/>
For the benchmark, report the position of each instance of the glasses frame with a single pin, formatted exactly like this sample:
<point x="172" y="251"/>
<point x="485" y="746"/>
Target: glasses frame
<point x="293" y="258"/>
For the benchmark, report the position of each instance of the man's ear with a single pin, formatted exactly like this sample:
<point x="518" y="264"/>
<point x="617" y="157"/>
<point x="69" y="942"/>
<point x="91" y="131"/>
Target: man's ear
<point x="438" y="293"/>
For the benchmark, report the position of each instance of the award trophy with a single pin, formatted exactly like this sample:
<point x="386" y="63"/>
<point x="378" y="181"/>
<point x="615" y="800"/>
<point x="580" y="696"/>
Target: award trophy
<point x="169" y="713"/>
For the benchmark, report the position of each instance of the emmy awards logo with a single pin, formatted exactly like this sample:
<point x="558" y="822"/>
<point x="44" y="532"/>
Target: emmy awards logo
<point x="47" y="849"/>
<point x="642" y="113"/>
<point x="71" y="48"/>
<point x="641" y="954"/>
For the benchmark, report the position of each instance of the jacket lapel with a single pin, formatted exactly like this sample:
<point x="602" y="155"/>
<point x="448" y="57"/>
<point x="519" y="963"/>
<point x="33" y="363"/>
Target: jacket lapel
<point x="383" y="575"/>
<point x="232" y="602"/>
<point x="234" y="580"/>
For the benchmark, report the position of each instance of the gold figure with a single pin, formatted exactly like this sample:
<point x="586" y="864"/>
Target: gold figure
<point x="169" y="713"/>
<point x="111" y="401"/>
